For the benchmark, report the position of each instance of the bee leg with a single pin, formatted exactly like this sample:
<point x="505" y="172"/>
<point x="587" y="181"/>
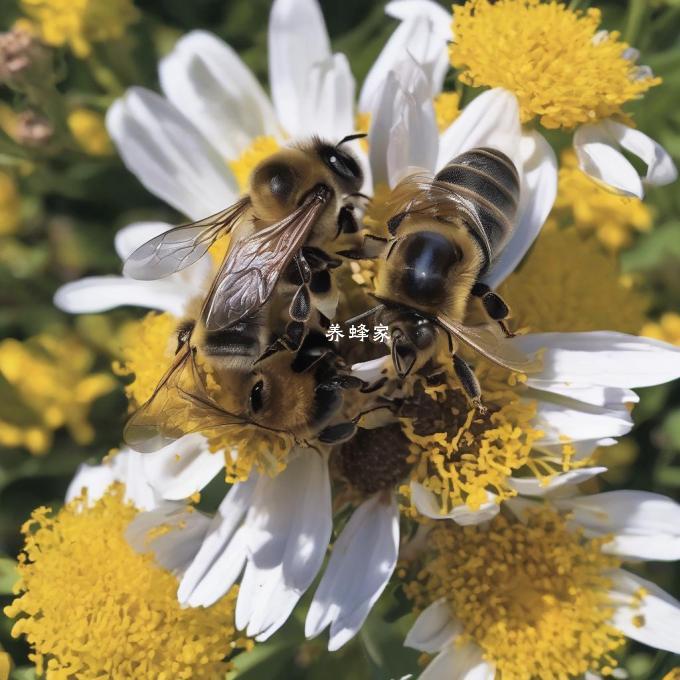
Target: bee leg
<point x="469" y="381"/>
<point x="494" y="305"/>
<point x="342" y="382"/>
<point x="404" y="354"/>
<point x="301" y="305"/>
<point x="290" y="341"/>
<point x="336" y="434"/>
<point x="347" y="223"/>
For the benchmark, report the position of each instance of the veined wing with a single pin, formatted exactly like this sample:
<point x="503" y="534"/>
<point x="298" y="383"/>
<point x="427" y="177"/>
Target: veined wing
<point x="249" y="274"/>
<point x="180" y="247"/>
<point x="179" y="405"/>
<point x="491" y="344"/>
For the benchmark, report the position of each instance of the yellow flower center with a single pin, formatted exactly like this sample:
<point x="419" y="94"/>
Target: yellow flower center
<point x="79" y="23"/>
<point x="460" y="455"/>
<point x="666" y="329"/>
<point x="46" y="385"/>
<point x="552" y="58"/>
<point x="590" y="208"/>
<point x="89" y="131"/>
<point x="243" y="166"/>
<point x="148" y="349"/>
<point x="446" y="109"/>
<point x="532" y="595"/>
<point x="553" y="290"/>
<point x="91" y="607"/>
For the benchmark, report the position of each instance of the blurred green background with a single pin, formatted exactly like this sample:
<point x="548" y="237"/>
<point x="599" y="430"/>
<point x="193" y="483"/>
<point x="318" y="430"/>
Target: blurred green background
<point x="61" y="204"/>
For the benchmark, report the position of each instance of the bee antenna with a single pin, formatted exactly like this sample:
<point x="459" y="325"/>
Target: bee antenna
<point x="351" y="138"/>
<point x="363" y="315"/>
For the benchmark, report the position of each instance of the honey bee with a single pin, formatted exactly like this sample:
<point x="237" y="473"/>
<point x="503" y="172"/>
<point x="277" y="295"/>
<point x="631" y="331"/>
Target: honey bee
<point x="298" y="395"/>
<point x="299" y="199"/>
<point x="445" y="234"/>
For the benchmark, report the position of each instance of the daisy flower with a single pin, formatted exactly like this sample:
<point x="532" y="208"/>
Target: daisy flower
<point x="566" y="74"/>
<point x="540" y="590"/>
<point x="122" y="603"/>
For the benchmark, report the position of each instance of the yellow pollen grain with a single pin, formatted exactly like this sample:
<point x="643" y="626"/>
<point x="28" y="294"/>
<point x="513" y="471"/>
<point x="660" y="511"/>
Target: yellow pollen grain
<point x="565" y="284"/>
<point x="446" y="109"/>
<point x="148" y="346"/>
<point x="460" y="455"/>
<point x="561" y="69"/>
<point x="89" y="131"/>
<point x="243" y="166"/>
<point x="91" y="607"/>
<point x="591" y="209"/>
<point x="79" y="23"/>
<point x="533" y="595"/>
<point x="362" y="123"/>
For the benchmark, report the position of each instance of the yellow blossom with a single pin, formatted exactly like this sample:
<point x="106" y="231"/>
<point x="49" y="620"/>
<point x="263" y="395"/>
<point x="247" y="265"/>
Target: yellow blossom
<point x="91" y="607"/>
<point x="5" y="665"/>
<point x="532" y="595"/>
<point x="567" y="285"/>
<point x="591" y="208"/>
<point x="10" y="205"/>
<point x="48" y="385"/>
<point x="667" y="328"/>
<point x="446" y="109"/>
<point x="562" y="69"/>
<point x="79" y="23"/>
<point x="88" y="129"/>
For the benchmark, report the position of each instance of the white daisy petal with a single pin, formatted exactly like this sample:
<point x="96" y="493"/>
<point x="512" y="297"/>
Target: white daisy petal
<point x="184" y="467"/>
<point x="599" y="159"/>
<point x="368" y="545"/>
<point x="100" y="293"/>
<point x="205" y="79"/>
<point x="426" y="503"/>
<point x="129" y="238"/>
<point x="597" y="395"/>
<point x="655" y="622"/>
<point x="93" y="479"/>
<point x="330" y="96"/>
<point x="603" y="358"/>
<point x="538" y="173"/>
<point x="175" y="547"/>
<point x="423" y="33"/>
<point x="643" y="525"/>
<point x="289" y="521"/>
<point x="491" y="119"/>
<point x="459" y="663"/>
<point x="168" y="155"/>
<point x="380" y="129"/>
<point x="434" y="628"/>
<point x="208" y="566"/>
<point x="297" y="41"/>
<point x="595" y="146"/>
<point x="530" y="486"/>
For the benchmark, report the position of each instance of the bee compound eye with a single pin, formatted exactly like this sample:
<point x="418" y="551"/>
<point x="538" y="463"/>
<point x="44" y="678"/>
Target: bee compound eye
<point x="257" y="397"/>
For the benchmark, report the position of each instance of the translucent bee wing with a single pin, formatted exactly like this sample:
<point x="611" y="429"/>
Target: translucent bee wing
<point x="179" y="405"/>
<point x="249" y="274"/>
<point x="488" y="340"/>
<point x="180" y="247"/>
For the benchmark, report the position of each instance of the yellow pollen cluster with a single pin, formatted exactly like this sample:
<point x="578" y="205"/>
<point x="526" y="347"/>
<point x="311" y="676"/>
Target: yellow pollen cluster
<point x="79" y="23"/>
<point x="88" y="129"/>
<point x="148" y="347"/>
<point x="460" y="455"/>
<point x="583" y="203"/>
<point x="10" y="205"/>
<point x="91" y="607"/>
<point x="243" y="166"/>
<point x="46" y="384"/>
<point x="567" y="285"/>
<point x="446" y="109"/>
<point x="666" y="329"/>
<point x="553" y="59"/>
<point x="532" y="595"/>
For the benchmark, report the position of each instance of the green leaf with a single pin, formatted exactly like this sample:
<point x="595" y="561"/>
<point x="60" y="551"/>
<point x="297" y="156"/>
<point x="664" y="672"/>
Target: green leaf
<point x="8" y="575"/>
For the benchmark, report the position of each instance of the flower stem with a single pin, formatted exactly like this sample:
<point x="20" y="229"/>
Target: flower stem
<point x="637" y="10"/>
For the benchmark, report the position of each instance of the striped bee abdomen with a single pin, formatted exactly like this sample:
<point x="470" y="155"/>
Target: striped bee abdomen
<point x="487" y="180"/>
